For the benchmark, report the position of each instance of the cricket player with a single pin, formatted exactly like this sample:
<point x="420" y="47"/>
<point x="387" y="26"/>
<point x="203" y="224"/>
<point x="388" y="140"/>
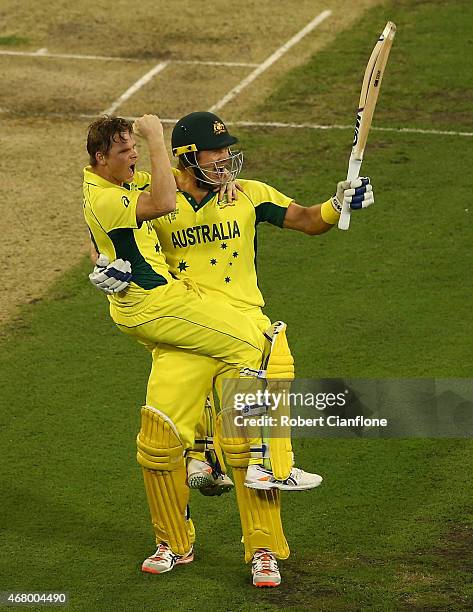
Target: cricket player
<point x="214" y="242"/>
<point x="159" y="310"/>
<point x="156" y="307"/>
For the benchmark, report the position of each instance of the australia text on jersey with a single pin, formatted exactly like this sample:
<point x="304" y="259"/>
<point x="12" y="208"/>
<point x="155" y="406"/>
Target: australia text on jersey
<point x="205" y="233"/>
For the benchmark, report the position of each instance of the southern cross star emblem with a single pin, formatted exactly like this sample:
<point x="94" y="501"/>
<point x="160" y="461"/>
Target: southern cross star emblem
<point x="227" y="279"/>
<point x="223" y="245"/>
<point x="213" y="262"/>
<point x="182" y="265"/>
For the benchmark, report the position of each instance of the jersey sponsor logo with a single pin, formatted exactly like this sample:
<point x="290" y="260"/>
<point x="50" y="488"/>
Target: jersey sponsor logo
<point x="125" y="201"/>
<point x="200" y="234"/>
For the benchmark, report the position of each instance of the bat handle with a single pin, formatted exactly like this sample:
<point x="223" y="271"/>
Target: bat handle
<point x="354" y="167"/>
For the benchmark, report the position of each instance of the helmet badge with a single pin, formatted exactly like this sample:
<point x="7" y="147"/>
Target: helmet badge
<point x="219" y="127"/>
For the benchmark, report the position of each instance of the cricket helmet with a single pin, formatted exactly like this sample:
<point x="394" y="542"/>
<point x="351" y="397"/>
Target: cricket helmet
<point x="204" y="131"/>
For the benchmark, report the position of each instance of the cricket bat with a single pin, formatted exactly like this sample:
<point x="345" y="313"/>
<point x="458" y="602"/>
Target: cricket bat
<point x="369" y="94"/>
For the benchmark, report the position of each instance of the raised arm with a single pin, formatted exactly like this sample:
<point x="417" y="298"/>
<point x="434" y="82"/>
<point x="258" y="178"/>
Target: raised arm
<point x="161" y="199"/>
<point x="320" y="218"/>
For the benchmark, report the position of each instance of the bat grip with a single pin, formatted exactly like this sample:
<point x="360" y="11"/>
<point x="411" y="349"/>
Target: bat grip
<point x="354" y="167"/>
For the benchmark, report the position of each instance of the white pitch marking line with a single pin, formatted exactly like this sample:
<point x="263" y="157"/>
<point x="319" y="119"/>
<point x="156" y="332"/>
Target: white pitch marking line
<point x="269" y="124"/>
<point x="314" y="126"/>
<point x="209" y="63"/>
<point x="44" y="53"/>
<point x="270" y="60"/>
<point x="70" y="56"/>
<point x="135" y="87"/>
<point x="127" y="117"/>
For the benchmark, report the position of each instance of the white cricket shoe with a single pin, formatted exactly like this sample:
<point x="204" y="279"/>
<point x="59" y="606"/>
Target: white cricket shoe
<point x="164" y="560"/>
<point x="258" y="477"/>
<point x="264" y="569"/>
<point x="200" y="475"/>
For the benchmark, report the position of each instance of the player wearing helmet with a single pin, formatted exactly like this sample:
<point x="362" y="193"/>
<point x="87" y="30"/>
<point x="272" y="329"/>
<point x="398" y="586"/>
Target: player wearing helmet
<point x="213" y="242"/>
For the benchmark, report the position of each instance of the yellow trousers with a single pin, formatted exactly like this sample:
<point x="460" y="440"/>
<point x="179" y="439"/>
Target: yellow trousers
<point x="178" y="386"/>
<point x="178" y="315"/>
<point x="196" y="341"/>
<point x="180" y="382"/>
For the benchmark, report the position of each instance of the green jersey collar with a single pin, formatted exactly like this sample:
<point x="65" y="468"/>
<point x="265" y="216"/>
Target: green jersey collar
<point x="198" y="205"/>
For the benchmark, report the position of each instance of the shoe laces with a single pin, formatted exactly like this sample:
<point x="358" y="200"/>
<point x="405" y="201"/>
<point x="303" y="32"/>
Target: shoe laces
<point x="296" y="473"/>
<point x="261" y="468"/>
<point x="264" y="562"/>
<point x="162" y="551"/>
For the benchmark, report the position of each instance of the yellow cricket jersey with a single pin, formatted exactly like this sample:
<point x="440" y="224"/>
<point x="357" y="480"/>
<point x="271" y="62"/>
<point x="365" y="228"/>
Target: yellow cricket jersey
<point x="110" y="213"/>
<point x="215" y="244"/>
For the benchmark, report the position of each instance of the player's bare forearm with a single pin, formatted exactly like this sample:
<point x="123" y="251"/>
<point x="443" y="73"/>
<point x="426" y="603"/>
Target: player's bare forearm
<point x="161" y="199"/>
<point x="306" y="219"/>
<point x="163" y="184"/>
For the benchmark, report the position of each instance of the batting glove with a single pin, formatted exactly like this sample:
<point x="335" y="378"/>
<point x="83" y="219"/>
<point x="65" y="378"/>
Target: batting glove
<point x="111" y="277"/>
<point x="356" y="194"/>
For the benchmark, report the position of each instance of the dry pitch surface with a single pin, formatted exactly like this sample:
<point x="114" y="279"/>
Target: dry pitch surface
<point x="46" y="102"/>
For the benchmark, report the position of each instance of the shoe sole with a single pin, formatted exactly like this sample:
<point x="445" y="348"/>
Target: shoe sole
<point x="282" y="487"/>
<point x="216" y="490"/>
<point x="266" y="584"/>
<point x="150" y="570"/>
<point x="199" y="481"/>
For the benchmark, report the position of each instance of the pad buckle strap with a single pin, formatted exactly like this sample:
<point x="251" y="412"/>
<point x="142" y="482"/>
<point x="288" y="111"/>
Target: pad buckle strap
<point x="254" y="409"/>
<point x="259" y="452"/>
<point x="206" y="443"/>
<point x="252" y="372"/>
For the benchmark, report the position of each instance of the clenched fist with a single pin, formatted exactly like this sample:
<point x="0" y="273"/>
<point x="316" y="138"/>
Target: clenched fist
<point x="148" y="127"/>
